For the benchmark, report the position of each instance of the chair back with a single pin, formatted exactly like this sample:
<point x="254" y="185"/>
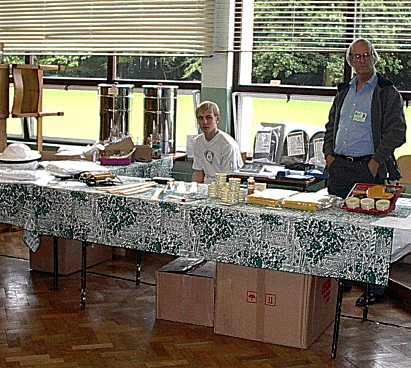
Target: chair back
<point x="404" y="163"/>
<point x="28" y="87"/>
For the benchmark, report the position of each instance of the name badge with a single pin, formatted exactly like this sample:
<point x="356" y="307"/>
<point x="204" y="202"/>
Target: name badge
<point x="359" y="116"/>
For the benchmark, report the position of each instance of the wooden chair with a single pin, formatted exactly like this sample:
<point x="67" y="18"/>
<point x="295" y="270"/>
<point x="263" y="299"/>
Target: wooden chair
<point x="404" y="163"/>
<point x="28" y="97"/>
<point x="4" y="104"/>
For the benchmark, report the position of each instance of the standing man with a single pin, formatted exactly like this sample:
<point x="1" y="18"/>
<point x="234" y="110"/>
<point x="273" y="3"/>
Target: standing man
<point x="366" y="124"/>
<point x="214" y="150"/>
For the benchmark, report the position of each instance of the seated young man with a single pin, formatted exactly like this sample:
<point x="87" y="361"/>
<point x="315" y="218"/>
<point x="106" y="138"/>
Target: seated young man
<point x="214" y="150"/>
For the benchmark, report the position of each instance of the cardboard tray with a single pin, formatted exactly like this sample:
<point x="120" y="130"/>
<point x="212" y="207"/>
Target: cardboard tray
<point x="396" y="191"/>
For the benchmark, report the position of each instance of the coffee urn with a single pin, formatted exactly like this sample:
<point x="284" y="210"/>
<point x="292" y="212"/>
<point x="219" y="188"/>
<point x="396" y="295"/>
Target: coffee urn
<point x="160" y="107"/>
<point x="115" y="110"/>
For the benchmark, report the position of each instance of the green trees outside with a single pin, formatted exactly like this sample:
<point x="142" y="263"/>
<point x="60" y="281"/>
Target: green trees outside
<point x="295" y="68"/>
<point x="323" y="69"/>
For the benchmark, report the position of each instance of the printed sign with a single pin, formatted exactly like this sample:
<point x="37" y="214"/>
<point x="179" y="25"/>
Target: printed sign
<point x="262" y="142"/>
<point x="295" y="144"/>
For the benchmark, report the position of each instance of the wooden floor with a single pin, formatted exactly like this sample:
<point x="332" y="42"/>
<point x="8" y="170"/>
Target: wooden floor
<point x="44" y="328"/>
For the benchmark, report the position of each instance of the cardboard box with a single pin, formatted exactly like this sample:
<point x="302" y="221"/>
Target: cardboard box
<point x="5" y="228"/>
<point x="406" y="259"/>
<point x="69" y="253"/>
<point x="186" y="297"/>
<point x="276" y="307"/>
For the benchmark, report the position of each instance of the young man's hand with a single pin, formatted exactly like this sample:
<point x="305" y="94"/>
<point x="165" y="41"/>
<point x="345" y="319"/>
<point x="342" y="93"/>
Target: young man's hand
<point x="329" y="160"/>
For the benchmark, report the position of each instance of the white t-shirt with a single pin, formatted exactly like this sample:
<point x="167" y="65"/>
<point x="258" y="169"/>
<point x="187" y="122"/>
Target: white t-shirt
<point x="221" y="154"/>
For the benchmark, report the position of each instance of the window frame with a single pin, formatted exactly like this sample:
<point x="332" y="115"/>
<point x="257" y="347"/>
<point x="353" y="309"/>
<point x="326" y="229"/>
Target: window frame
<point x="111" y="77"/>
<point x="288" y="90"/>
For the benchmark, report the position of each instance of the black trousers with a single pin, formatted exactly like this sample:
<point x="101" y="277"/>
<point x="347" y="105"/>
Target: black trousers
<point x="344" y="173"/>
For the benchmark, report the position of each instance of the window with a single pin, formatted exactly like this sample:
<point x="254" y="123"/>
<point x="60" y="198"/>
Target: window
<point x="159" y="68"/>
<point x="124" y="41"/>
<point x="75" y="66"/>
<point x="293" y="48"/>
<point x="130" y="27"/>
<point x="298" y="68"/>
<point x="302" y="42"/>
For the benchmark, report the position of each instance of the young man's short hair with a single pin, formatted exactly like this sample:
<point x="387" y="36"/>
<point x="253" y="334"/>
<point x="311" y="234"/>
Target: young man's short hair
<point x="208" y="106"/>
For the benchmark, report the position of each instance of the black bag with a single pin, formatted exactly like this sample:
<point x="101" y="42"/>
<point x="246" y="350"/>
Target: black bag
<point x="393" y="170"/>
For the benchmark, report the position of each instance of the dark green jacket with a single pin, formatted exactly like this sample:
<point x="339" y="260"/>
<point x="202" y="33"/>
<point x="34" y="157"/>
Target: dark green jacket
<point x="387" y="119"/>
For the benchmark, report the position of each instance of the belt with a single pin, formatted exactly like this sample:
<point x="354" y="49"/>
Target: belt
<point x="355" y="159"/>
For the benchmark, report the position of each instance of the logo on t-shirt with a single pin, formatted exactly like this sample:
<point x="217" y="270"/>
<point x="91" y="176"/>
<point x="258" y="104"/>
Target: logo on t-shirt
<point x="209" y="156"/>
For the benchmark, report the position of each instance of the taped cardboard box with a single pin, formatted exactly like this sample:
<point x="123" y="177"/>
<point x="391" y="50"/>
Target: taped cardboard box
<point x="276" y="307"/>
<point x="186" y="297"/>
<point x="69" y="255"/>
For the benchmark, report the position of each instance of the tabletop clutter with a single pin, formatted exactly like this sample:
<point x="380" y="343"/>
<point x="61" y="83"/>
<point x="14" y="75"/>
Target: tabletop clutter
<point x="19" y="163"/>
<point x="365" y="198"/>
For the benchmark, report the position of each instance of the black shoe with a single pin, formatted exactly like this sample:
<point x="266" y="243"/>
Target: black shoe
<point x="372" y="299"/>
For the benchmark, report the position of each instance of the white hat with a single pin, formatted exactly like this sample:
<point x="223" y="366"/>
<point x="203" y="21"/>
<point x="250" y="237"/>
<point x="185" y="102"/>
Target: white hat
<point x="19" y="153"/>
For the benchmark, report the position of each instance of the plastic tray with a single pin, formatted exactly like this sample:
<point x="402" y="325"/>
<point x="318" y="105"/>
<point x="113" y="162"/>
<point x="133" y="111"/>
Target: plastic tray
<point x="396" y="190"/>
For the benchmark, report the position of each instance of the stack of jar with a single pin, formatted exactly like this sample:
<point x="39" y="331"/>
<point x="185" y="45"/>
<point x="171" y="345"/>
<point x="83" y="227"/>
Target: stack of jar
<point x="234" y="190"/>
<point x="227" y="192"/>
<point x="220" y="182"/>
<point x="216" y="187"/>
<point x="212" y="190"/>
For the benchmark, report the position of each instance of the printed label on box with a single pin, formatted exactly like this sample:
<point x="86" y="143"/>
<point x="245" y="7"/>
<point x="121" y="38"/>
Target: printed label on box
<point x="251" y="296"/>
<point x="270" y="300"/>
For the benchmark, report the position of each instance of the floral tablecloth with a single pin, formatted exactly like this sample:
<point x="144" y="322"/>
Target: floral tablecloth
<point x="327" y="243"/>
<point x="160" y="167"/>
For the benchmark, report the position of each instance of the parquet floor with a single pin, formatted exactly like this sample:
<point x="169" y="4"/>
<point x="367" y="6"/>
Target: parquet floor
<point x="44" y="328"/>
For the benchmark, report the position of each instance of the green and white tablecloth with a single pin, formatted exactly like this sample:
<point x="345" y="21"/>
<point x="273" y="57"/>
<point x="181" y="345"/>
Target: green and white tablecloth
<point x="160" y="167"/>
<point x="327" y="243"/>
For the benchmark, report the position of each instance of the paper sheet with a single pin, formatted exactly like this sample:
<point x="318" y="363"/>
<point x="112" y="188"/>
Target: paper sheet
<point x="395" y="223"/>
<point x="403" y="202"/>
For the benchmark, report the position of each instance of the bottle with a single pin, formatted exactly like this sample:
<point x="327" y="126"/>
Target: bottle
<point x="250" y="185"/>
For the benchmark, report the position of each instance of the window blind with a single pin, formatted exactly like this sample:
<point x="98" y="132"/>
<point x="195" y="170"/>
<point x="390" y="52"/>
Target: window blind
<point x="320" y="25"/>
<point x="132" y="27"/>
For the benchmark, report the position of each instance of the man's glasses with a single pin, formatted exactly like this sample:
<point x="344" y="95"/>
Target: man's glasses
<point x="358" y="57"/>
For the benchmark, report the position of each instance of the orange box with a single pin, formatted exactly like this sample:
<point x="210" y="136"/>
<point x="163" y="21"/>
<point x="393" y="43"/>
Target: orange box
<point x="69" y="253"/>
<point x="186" y="297"/>
<point x="276" y="307"/>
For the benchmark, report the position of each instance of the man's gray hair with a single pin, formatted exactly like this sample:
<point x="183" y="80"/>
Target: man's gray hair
<point x="208" y="106"/>
<point x="371" y="48"/>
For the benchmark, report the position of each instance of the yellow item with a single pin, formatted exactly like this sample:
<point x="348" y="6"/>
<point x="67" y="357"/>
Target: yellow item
<point x="378" y="192"/>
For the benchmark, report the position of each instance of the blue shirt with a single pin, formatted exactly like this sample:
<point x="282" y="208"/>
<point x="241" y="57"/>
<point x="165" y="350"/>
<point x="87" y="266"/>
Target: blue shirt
<point x="354" y="135"/>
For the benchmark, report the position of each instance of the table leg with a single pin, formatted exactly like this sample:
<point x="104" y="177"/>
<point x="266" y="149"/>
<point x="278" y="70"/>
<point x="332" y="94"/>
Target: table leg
<point x="365" y="307"/>
<point x="84" y="245"/>
<point x="55" y="263"/>
<point x="139" y="261"/>
<point x="337" y="319"/>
